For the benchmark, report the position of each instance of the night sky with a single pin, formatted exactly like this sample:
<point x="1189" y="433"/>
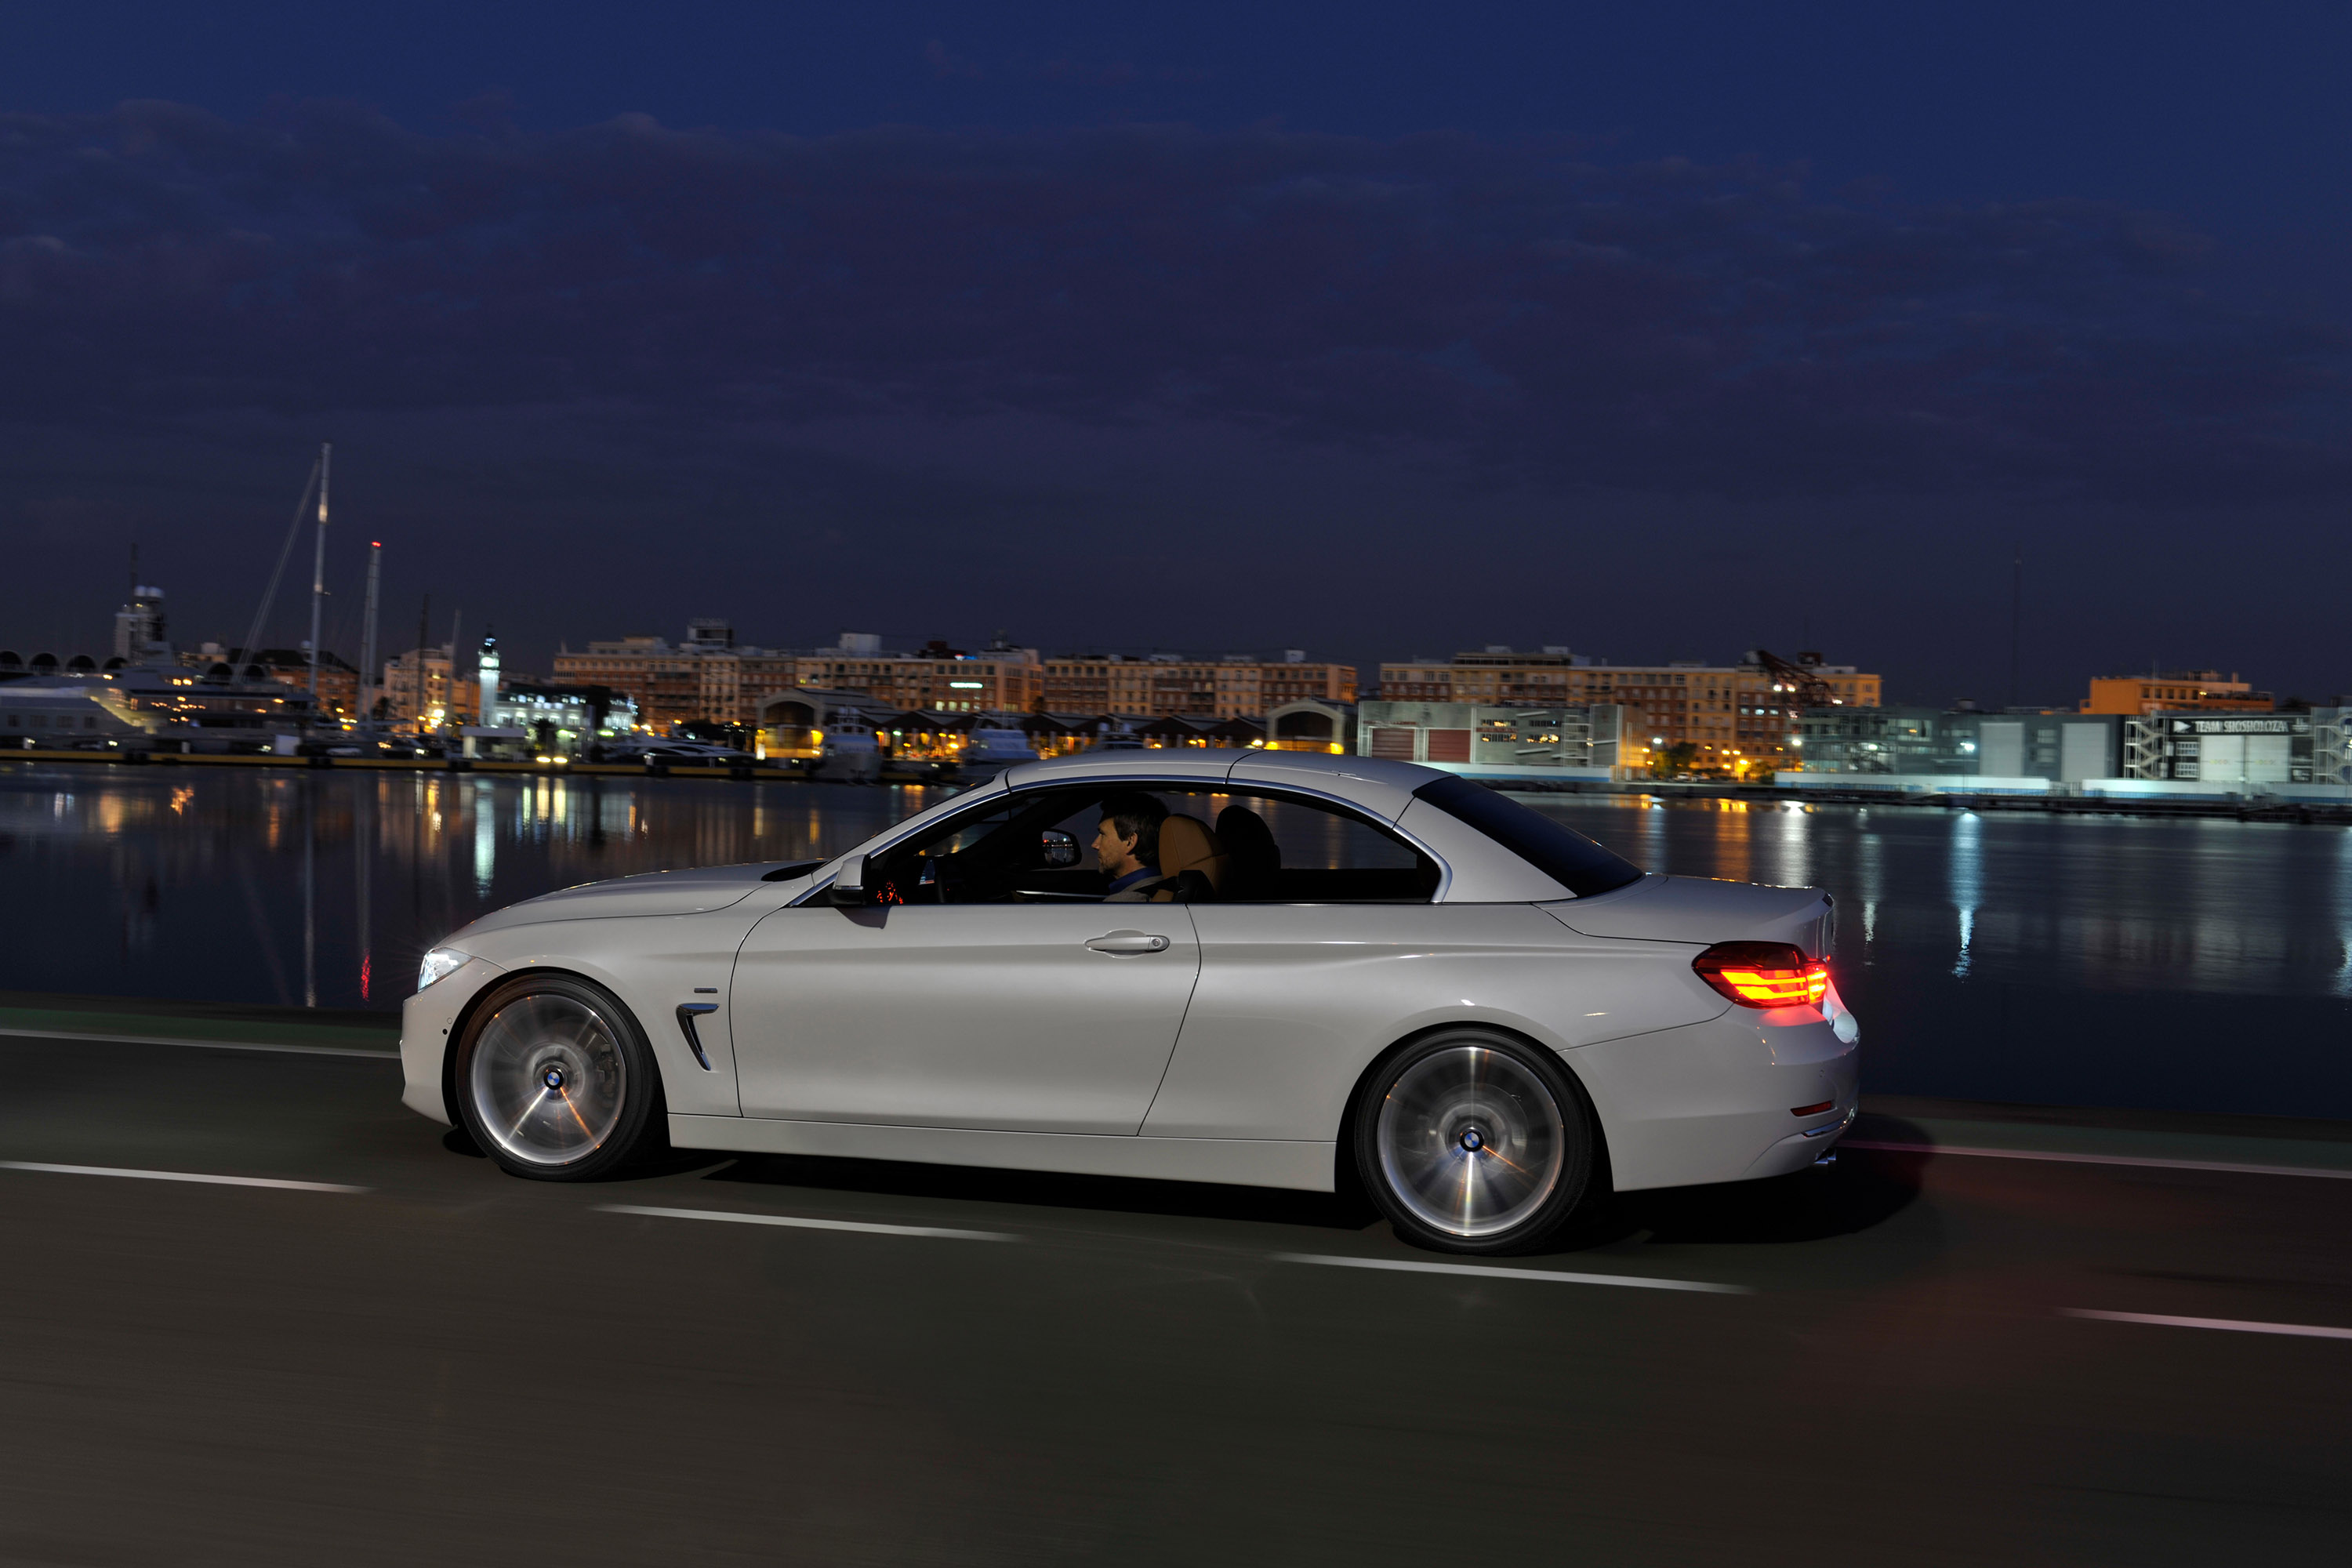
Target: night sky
<point x="1661" y="332"/>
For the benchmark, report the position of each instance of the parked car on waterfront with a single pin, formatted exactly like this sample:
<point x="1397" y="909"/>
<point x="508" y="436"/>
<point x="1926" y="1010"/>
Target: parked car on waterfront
<point x="1351" y="970"/>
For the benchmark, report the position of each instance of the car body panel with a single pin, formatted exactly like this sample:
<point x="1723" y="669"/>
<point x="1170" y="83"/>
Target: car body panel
<point x="653" y="964"/>
<point x="1700" y="911"/>
<point x="1017" y="1025"/>
<point x="1122" y="769"/>
<point x="1253" y="1163"/>
<point x="1705" y="1102"/>
<point x="1253" y="1062"/>
<point x="427" y="1021"/>
<point x="648" y="894"/>
<point x="1375" y="784"/>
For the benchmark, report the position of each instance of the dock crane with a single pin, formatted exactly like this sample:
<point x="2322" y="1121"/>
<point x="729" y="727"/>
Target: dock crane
<point x="1802" y="680"/>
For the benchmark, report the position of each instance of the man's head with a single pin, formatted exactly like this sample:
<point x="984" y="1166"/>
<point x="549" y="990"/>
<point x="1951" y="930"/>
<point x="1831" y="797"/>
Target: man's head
<point x="1128" y="838"/>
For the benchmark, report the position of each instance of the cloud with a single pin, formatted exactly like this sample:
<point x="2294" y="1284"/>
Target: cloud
<point x="1513" y="311"/>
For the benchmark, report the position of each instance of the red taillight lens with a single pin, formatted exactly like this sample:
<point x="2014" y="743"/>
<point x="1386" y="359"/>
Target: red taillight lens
<point x="1764" y="974"/>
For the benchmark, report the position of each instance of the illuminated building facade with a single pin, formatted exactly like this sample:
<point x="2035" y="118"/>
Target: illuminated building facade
<point x="1497" y="742"/>
<point x="710" y="678"/>
<point x="2184" y="689"/>
<point x="1737" y="718"/>
<point x="1150" y="685"/>
<point x="418" y="689"/>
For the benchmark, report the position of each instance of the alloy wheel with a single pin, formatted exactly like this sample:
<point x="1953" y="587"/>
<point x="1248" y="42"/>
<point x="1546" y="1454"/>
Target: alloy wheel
<point x="1471" y="1141"/>
<point x="549" y="1079"/>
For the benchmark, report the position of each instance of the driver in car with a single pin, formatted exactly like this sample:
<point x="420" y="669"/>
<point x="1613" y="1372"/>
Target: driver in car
<point x="1127" y="845"/>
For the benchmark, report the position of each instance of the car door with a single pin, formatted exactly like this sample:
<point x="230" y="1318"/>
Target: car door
<point x="1332" y="940"/>
<point x="1044" y="1017"/>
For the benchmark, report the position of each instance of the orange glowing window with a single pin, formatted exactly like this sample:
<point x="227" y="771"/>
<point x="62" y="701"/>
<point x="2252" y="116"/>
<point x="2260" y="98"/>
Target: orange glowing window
<point x="1764" y="974"/>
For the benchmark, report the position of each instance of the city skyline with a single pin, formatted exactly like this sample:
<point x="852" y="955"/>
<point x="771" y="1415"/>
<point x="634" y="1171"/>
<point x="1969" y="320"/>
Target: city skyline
<point x="1669" y="335"/>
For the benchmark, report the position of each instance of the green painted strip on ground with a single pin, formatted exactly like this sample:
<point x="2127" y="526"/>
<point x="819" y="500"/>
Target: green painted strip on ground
<point x="372" y="1052"/>
<point x="68" y="1023"/>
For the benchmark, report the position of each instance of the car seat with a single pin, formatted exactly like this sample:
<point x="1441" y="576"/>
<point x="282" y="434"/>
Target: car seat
<point x="1192" y="864"/>
<point x="1256" y="858"/>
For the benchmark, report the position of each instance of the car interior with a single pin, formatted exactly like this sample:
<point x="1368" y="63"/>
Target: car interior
<point x="1217" y="846"/>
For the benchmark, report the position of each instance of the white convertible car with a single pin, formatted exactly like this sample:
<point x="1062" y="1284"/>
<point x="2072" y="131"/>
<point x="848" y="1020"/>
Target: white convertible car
<point x="1352" y="968"/>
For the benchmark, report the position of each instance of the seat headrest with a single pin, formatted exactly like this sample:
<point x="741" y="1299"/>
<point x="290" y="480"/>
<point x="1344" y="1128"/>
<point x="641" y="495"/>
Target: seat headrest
<point x="1247" y="838"/>
<point x="1187" y="845"/>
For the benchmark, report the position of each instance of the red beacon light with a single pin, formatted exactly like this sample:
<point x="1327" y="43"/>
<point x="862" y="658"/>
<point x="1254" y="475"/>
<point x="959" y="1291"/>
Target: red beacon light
<point x="1764" y="974"/>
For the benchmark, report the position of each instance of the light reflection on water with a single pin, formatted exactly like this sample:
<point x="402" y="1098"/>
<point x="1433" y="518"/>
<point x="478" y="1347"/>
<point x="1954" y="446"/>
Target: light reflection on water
<point x="1984" y="952"/>
<point x="158" y="884"/>
<point x="2109" y="903"/>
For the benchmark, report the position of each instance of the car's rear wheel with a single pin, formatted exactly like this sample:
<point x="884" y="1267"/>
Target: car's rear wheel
<point x="554" y="1078"/>
<point x="1472" y="1140"/>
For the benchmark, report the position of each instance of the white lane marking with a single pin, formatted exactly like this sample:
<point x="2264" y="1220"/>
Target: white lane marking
<point x="179" y="1177"/>
<point x="2320" y="1171"/>
<point x="798" y="1222"/>
<point x="1479" y="1270"/>
<point x="2232" y="1325"/>
<point x="200" y="1045"/>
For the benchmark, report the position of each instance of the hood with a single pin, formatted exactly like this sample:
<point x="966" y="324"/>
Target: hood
<point x="652" y="893"/>
<point x="1700" y="912"/>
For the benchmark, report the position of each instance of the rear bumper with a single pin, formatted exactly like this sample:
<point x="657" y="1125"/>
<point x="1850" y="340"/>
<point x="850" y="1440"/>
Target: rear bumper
<point x="1716" y="1101"/>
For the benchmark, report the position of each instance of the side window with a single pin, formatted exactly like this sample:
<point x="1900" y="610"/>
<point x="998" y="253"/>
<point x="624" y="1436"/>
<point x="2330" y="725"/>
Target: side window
<point x="1218" y="845"/>
<point x="1018" y="849"/>
<point x="1287" y="849"/>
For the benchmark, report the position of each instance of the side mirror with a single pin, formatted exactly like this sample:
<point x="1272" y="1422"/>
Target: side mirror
<point x="1060" y="848"/>
<point x="849" y="886"/>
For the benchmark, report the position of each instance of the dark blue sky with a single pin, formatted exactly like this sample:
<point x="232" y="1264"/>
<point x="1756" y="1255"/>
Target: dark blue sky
<point x="1658" y="330"/>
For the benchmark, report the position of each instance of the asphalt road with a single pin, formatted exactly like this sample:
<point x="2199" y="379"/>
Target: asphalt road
<point x="421" y="1360"/>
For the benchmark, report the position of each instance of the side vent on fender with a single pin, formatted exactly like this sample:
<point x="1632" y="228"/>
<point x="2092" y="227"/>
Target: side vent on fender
<point x="686" y="1013"/>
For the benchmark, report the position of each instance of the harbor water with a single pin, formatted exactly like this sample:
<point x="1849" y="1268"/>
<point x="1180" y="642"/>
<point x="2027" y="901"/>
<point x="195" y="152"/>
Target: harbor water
<point x="2192" y="965"/>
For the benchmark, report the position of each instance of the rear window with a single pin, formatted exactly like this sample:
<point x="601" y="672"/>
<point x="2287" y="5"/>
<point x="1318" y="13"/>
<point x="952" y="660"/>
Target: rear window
<point x="1567" y="858"/>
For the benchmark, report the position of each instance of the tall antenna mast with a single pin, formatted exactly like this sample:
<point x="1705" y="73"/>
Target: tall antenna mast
<point x="252" y="648"/>
<point x="319" y="575"/>
<point x="367" y="632"/>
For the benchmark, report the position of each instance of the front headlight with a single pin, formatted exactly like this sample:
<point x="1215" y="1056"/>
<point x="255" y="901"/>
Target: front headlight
<point x="441" y="961"/>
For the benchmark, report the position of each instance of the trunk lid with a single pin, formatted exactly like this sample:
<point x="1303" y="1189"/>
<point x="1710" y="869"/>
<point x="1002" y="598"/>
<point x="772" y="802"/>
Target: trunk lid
<point x="1702" y="912"/>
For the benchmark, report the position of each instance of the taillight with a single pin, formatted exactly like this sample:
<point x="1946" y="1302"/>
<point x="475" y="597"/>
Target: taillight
<point x="1764" y="974"/>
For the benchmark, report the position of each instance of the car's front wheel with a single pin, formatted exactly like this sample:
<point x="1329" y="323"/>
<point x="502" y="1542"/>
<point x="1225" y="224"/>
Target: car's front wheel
<point x="1472" y="1140"/>
<point x="554" y="1078"/>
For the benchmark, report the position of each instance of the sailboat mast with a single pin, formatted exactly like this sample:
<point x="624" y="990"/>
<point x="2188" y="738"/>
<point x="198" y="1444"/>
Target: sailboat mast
<point x="367" y="632"/>
<point x="319" y="575"/>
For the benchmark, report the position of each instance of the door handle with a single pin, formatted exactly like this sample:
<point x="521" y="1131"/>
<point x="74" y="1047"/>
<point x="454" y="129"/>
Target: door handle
<point x="1128" y="941"/>
<point x="686" y="1012"/>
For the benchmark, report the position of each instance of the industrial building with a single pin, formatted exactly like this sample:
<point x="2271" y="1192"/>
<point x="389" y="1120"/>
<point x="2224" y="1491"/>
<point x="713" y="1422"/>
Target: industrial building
<point x="1734" y="718"/>
<point x="2186" y="753"/>
<point x="1482" y="742"/>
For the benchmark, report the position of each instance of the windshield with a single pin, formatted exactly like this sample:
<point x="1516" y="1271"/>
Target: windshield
<point x="1567" y="858"/>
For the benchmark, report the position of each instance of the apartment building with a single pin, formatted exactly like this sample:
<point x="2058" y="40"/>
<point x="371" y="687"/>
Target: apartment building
<point x="2177" y="689"/>
<point x="710" y="677"/>
<point x="1738" y="717"/>
<point x="1235" y="687"/>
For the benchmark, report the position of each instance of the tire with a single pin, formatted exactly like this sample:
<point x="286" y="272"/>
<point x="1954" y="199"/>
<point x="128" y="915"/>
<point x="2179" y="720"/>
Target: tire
<point x="1472" y="1141"/>
<point x="554" y="1080"/>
